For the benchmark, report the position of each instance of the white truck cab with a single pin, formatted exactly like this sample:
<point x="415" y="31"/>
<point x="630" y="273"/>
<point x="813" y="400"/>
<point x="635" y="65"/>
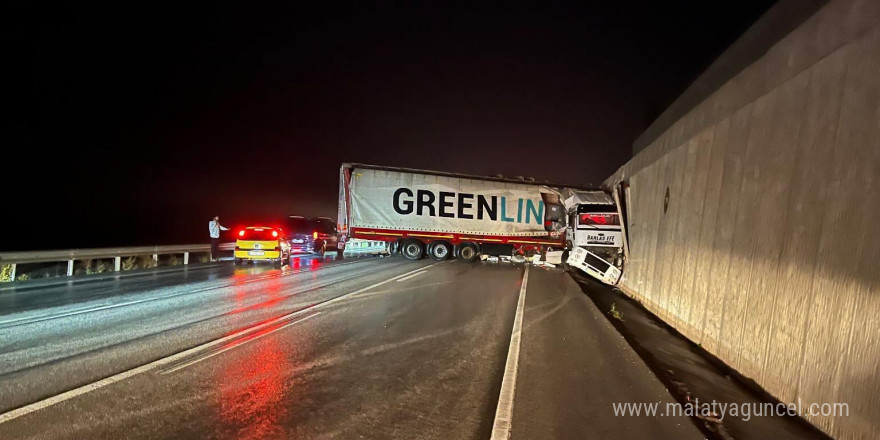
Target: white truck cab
<point x="594" y="235"/>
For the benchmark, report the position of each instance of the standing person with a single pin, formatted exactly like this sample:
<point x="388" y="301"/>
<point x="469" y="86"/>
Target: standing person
<point x="214" y="228"/>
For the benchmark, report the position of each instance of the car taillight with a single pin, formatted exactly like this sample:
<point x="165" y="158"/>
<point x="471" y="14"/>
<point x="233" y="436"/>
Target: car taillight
<point x="314" y="235"/>
<point x="241" y="233"/>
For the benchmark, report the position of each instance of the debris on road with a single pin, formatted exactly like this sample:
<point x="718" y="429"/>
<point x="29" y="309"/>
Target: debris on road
<point x="543" y="264"/>
<point x="554" y="257"/>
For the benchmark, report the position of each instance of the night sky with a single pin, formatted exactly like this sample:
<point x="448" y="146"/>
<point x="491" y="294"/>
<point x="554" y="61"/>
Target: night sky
<point x="133" y="124"/>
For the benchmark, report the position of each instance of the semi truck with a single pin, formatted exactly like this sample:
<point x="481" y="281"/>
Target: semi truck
<point x="443" y="215"/>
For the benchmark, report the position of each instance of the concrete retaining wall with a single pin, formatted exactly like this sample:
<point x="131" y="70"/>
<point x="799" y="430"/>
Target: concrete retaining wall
<point x="768" y="252"/>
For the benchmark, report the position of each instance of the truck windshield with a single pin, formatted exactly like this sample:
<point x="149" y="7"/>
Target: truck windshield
<point x="598" y="218"/>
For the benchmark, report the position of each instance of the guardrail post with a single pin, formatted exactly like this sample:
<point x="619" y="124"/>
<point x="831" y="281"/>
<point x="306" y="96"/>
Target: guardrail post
<point x="70" y="268"/>
<point x="117" y="264"/>
<point x="156" y="259"/>
<point x="12" y="275"/>
<point x="185" y="258"/>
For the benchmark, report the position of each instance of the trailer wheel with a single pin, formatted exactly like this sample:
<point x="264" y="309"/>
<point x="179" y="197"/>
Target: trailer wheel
<point x="467" y="252"/>
<point x="439" y="250"/>
<point x="413" y="249"/>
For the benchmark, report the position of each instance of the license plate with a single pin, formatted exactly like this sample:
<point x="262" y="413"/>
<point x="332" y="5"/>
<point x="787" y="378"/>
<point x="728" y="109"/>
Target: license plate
<point x="298" y="240"/>
<point x="256" y="253"/>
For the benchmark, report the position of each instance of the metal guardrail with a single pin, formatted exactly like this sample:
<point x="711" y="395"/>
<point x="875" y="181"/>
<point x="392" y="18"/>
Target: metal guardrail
<point x="13" y="259"/>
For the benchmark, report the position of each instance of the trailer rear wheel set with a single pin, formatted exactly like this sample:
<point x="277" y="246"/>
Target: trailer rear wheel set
<point x="440" y="250"/>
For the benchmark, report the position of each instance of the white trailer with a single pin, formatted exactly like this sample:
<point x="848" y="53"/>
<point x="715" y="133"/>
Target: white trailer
<point x="444" y="214"/>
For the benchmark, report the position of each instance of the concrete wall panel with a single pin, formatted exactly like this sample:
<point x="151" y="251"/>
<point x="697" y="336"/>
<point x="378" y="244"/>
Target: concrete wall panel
<point x="702" y="307"/>
<point x="722" y="245"/>
<point x="778" y="140"/>
<point x="670" y="225"/>
<point x="679" y="251"/>
<point x="743" y="245"/>
<point x="700" y="151"/>
<point x="807" y="202"/>
<point x="859" y="135"/>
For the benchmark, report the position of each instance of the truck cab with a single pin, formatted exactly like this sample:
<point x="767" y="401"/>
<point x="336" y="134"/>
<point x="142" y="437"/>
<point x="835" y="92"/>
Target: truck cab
<point x="593" y="233"/>
<point x="596" y="228"/>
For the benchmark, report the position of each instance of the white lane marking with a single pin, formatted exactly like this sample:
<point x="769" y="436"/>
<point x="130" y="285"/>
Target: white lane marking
<point x="504" y="411"/>
<point x="234" y="345"/>
<point x="45" y="403"/>
<point x="411" y="276"/>
<point x="35" y="319"/>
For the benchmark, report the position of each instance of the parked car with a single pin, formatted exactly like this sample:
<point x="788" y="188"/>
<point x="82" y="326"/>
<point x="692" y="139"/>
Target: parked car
<point x="311" y="235"/>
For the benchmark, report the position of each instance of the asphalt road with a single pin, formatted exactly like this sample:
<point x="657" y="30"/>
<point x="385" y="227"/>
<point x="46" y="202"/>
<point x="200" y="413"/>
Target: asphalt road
<point x="378" y="348"/>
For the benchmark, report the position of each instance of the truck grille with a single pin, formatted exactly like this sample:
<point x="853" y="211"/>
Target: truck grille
<point x="598" y="263"/>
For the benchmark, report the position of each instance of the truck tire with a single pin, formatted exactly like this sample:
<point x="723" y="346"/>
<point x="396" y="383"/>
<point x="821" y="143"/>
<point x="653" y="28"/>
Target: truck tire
<point x="466" y="252"/>
<point x="412" y="249"/>
<point x="439" y="250"/>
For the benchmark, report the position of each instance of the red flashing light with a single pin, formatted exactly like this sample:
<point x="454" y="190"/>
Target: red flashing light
<point x="275" y="233"/>
<point x="241" y="233"/>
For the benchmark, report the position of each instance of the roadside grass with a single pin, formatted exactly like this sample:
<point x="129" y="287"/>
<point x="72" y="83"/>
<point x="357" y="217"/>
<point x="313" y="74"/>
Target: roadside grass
<point x="92" y="266"/>
<point x="147" y="262"/>
<point x="102" y="266"/>
<point x="129" y="263"/>
<point x="615" y="313"/>
<point x="6" y="273"/>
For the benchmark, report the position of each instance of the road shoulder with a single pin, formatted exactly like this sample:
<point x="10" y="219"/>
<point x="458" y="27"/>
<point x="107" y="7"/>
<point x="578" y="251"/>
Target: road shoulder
<point x="574" y="366"/>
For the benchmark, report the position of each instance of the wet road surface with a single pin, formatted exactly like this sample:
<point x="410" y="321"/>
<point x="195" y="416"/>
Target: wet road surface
<point x="379" y="348"/>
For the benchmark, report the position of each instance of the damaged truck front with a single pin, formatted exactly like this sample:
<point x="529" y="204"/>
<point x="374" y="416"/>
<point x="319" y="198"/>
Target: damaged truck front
<point x="594" y="238"/>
